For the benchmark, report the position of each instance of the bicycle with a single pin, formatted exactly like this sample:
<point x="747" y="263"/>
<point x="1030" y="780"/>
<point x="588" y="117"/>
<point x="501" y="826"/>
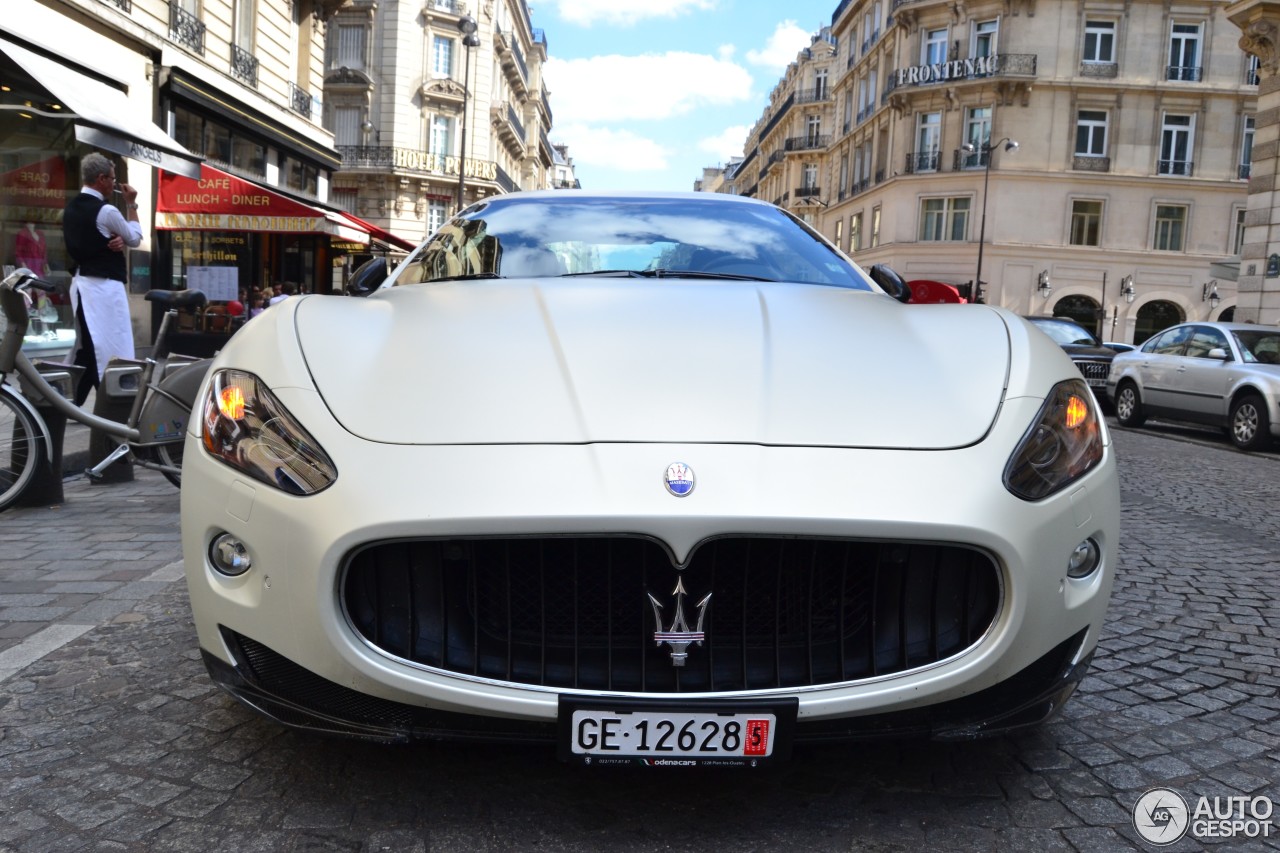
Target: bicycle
<point x="155" y="431"/>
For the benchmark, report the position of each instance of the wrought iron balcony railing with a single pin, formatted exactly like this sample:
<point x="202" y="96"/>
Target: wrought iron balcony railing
<point x="299" y="100"/>
<point x="244" y="66"/>
<point x="969" y="159"/>
<point x="388" y="158"/>
<point x="185" y="28"/>
<point x="514" y="118"/>
<point x="519" y="57"/>
<point x="960" y="70"/>
<point x="1181" y="168"/>
<point x="1184" y="73"/>
<point x="506" y="183"/>
<point x="122" y="5"/>
<point x="814" y="95"/>
<point x="921" y="161"/>
<point x="452" y="7"/>
<point x="807" y="191"/>
<point x="807" y="143"/>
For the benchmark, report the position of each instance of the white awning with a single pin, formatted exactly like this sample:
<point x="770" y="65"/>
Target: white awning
<point x="101" y="114"/>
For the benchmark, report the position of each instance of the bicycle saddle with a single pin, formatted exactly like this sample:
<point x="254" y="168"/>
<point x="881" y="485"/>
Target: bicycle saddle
<point x="178" y="298"/>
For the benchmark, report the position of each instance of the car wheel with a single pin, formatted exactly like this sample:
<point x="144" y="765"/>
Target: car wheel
<point x="1250" y="429"/>
<point x="1128" y="407"/>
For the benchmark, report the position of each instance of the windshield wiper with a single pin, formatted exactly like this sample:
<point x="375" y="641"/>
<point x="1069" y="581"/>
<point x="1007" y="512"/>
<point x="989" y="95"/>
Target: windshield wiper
<point x="468" y="277"/>
<point x="666" y="273"/>
<point x="612" y="273"/>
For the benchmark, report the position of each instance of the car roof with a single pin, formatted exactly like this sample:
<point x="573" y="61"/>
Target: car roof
<point x="621" y="195"/>
<point x="1230" y="327"/>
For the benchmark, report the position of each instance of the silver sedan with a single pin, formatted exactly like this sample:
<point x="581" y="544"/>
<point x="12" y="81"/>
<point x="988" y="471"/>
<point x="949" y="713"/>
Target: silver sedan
<point x="1221" y="374"/>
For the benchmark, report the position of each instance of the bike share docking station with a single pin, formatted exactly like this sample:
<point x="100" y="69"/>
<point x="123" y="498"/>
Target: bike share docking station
<point x="46" y="487"/>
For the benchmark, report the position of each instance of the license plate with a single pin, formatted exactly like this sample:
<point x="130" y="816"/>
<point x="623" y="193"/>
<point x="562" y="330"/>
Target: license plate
<point x="675" y="735"/>
<point x="1096" y="383"/>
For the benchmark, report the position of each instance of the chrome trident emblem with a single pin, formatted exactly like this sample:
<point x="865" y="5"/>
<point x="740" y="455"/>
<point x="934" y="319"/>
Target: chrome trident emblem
<point x="678" y="636"/>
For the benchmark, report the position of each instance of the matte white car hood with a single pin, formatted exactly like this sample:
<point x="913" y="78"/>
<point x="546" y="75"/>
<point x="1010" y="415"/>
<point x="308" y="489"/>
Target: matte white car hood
<point x="629" y="360"/>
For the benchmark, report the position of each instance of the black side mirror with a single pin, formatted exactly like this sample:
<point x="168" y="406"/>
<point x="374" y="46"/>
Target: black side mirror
<point x="368" y="277"/>
<point x="890" y="282"/>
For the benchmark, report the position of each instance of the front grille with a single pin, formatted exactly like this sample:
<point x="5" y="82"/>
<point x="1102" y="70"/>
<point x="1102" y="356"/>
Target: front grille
<point x="1094" y="369"/>
<point x="575" y="612"/>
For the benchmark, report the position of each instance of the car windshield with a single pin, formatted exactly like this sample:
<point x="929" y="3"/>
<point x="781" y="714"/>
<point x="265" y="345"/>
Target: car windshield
<point x="1065" y="332"/>
<point x="1261" y="346"/>
<point x="628" y="238"/>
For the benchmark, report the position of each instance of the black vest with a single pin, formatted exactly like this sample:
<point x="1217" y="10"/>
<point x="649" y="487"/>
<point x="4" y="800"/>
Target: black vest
<point x="85" y="243"/>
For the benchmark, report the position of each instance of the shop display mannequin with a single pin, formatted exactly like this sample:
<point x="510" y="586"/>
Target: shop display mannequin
<point x="29" y="249"/>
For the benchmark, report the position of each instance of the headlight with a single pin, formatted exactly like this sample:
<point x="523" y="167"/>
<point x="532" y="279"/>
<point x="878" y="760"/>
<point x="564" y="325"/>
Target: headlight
<point x="1063" y="444"/>
<point x="246" y="427"/>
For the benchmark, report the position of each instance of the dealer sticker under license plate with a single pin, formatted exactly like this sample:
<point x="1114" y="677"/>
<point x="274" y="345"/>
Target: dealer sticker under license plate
<point x="673" y="737"/>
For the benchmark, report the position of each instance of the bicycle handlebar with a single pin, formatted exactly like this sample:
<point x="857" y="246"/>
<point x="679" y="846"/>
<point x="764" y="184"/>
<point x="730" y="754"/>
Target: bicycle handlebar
<point x="23" y="278"/>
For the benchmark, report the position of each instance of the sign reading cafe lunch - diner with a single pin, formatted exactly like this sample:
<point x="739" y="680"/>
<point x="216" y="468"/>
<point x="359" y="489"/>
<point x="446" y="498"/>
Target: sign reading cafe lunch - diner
<point x="958" y="69"/>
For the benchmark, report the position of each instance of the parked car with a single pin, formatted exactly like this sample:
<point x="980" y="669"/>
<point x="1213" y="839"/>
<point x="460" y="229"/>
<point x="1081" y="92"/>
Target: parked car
<point x="1091" y="357"/>
<point x="1222" y="374"/>
<point x="657" y="478"/>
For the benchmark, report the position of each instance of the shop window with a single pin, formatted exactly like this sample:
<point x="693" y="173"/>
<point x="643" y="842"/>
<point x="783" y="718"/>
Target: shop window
<point x="300" y="176"/>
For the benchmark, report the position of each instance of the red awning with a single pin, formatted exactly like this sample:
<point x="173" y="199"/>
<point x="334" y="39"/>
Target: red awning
<point x="924" y="291"/>
<point x="381" y="234"/>
<point x="220" y="201"/>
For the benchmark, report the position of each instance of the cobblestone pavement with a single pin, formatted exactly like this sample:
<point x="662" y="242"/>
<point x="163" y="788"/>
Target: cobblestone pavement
<point x="112" y="738"/>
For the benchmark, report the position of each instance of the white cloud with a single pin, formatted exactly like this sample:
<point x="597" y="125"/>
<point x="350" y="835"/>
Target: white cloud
<point x="611" y="148"/>
<point x="727" y="144"/>
<point x="641" y="88"/>
<point x="624" y="12"/>
<point x="787" y="40"/>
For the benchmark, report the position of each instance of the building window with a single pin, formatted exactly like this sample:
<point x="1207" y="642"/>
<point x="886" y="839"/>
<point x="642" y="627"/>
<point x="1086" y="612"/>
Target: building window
<point x="844" y="175"/>
<point x="848" y="110"/>
<point x="840" y="234"/>
<point x="977" y="132"/>
<point x="820" y="84"/>
<point x="1099" y="42"/>
<point x="1086" y="223"/>
<point x="1237" y="241"/>
<point x="344" y="198"/>
<point x="875" y="227"/>
<point x="1246" y="149"/>
<point x="440" y="139"/>
<point x="855" y="233"/>
<point x="346" y="125"/>
<point x="933" y="47"/>
<point x="1091" y="133"/>
<point x="1184" y="53"/>
<point x="300" y="176"/>
<point x="809" y="177"/>
<point x="1176" y="138"/>
<point x="928" y="135"/>
<point x="441" y="56"/>
<point x="1171" y="225"/>
<point x="349" y="47"/>
<point x="812" y="130"/>
<point x="436" y="212"/>
<point x="1251" y="70"/>
<point x="985" y="39"/>
<point x="944" y="218"/>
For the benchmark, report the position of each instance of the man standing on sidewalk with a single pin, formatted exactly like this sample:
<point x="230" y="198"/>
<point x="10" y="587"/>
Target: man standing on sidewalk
<point x="96" y="233"/>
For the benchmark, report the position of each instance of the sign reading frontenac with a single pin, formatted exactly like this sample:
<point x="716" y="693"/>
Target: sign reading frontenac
<point x="959" y="69"/>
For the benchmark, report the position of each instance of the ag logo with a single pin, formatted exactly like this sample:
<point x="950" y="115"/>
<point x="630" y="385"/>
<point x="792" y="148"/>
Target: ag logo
<point x="1161" y="816"/>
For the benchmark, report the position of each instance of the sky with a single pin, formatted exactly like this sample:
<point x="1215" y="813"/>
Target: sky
<point x="646" y="93"/>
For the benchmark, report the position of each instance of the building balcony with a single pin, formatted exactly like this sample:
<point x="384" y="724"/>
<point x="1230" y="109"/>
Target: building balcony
<point x="1086" y="163"/>
<point x="921" y="161"/>
<point x="1015" y="65"/>
<point x="509" y="127"/>
<point x="443" y="9"/>
<point x="963" y="160"/>
<point x="1099" y="70"/>
<point x="813" y="96"/>
<point x="244" y="66"/>
<point x="300" y="101"/>
<point x="1184" y="73"/>
<point x="185" y="28"/>
<point x="505" y="182"/>
<point x="1176" y="168"/>
<point x="811" y="142"/>
<point x="123" y="5"/>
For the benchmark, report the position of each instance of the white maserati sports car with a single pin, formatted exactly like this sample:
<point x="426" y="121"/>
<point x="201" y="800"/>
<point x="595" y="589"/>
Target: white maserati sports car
<point x="657" y="478"/>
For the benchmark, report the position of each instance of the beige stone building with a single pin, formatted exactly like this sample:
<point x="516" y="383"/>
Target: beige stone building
<point x="414" y="108"/>
<point x="211" y="108"/>
<point x="1123" y="204"/>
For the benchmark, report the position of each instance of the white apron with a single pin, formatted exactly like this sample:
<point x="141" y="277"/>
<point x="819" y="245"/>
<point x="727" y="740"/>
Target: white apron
<point x="105" y="304"/>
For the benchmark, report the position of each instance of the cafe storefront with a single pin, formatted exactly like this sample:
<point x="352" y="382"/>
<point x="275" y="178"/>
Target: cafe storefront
<point x="236" y="240"/>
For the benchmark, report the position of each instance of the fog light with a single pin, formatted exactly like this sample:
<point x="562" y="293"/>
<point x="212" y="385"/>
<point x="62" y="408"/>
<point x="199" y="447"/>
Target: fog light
<point x="1084" y="559"/>
<point x="230" y="556"/>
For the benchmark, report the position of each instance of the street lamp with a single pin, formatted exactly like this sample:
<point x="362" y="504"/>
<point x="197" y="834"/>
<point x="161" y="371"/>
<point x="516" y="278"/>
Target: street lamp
<point x="466" y="26"/>
<point x="987" y="148"/>
<point x="1210" y="292"/>
<point x="1044" y="286"/>
<point x="1126" y="289"/>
